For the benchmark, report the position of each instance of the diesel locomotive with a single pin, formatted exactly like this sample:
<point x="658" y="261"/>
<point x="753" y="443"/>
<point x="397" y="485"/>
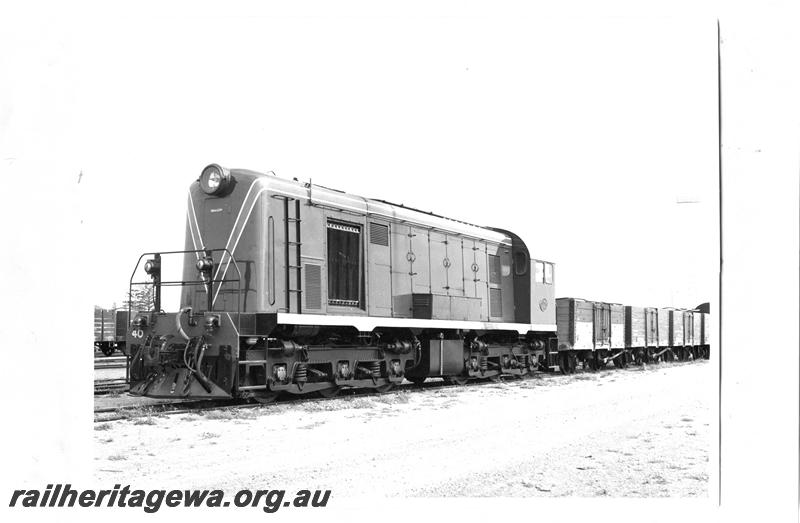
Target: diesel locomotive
<point x="292" y="287"/>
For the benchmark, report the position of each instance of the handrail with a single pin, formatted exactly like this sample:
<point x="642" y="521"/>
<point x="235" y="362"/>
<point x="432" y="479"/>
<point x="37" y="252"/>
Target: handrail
<point x="209" y="283"/>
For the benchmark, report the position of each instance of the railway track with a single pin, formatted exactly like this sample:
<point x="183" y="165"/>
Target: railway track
<point x="111" y="362"/>
<point x="109" y="386"/>
<point x="189" y="406"/>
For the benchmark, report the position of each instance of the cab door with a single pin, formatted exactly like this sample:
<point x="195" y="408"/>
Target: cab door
<point x="402" y="269"/>
<point x="454" y="262"/>
<point x="438" y="263"/>
<point x="419" y="256"/>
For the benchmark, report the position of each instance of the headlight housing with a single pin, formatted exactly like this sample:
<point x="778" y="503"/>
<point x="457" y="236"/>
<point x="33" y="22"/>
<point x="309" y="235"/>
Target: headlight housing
<point x="152" y="267"/>
<point x="214" y="179"/>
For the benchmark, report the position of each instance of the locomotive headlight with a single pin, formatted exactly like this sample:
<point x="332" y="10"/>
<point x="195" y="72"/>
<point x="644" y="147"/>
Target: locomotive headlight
<point x="205" y="265"/>
<point x="152" y="267"/>
<point x="214" y="179"/>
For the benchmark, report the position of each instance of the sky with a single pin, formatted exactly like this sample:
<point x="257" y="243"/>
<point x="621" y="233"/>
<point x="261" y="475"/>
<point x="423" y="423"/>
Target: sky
<point x="582" y="135"/>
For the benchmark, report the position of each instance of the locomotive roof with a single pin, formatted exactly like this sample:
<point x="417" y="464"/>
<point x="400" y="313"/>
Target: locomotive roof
<point x="325" y="196"/>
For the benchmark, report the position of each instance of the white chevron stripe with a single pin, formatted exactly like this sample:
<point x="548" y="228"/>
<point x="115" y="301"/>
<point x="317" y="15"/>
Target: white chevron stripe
<point x="235" y="224"/>
<point x="244" y="224"/>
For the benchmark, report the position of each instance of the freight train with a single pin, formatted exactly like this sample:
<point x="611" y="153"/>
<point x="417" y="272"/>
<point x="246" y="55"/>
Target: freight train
<point x="292" y="287"/>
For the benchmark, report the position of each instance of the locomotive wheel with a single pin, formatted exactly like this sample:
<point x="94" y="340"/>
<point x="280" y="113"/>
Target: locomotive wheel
<point x="330" y="393"/>
<point x="416" y="380"/>
<point x="385" y="387"/>
<point x="108" y="351"/>
<point x="457" y="380"/>
<point x="265" y="398"/>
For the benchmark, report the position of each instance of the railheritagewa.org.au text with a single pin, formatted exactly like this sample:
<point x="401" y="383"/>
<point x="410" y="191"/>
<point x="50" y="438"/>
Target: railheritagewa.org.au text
<point x="60" y="495"/>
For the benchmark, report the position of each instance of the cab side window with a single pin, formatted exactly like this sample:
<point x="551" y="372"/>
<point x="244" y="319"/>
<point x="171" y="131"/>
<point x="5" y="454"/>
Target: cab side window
<point x="539" y="274"/>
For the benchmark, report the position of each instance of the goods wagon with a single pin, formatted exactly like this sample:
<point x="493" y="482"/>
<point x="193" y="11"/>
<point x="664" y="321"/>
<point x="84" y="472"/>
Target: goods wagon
<point x="636" y="331"/>
<point x="589" y="332"/>
<point x="294" y="287"/>
<point x="110" y="328"/>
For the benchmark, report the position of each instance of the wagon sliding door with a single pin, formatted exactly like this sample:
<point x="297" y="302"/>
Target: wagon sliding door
<point x="651" y="327"/>
<point x="602" y="325"/>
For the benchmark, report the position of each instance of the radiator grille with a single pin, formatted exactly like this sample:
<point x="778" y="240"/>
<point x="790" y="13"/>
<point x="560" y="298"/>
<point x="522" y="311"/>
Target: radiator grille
<point x="313" y="286"/>
<point x="495" y="303"/>
<point x="494" y="269"/>
<point x="378" y="234"/>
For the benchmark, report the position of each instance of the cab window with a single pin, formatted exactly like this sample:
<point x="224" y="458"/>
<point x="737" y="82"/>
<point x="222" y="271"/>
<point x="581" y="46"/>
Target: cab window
<point x="520" y="263"/>
<point x="548" y="273"/>
<point x="539" y="274"/>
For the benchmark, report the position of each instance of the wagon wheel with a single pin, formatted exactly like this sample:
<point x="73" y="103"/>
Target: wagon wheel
<point x="386" y="387"/>
<point x="265" y="398"/>
<point x="563" y="363"/>
<point x="330" y="392"/>
<point x="598" y="361"/>
<point x="572" y="360"/>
